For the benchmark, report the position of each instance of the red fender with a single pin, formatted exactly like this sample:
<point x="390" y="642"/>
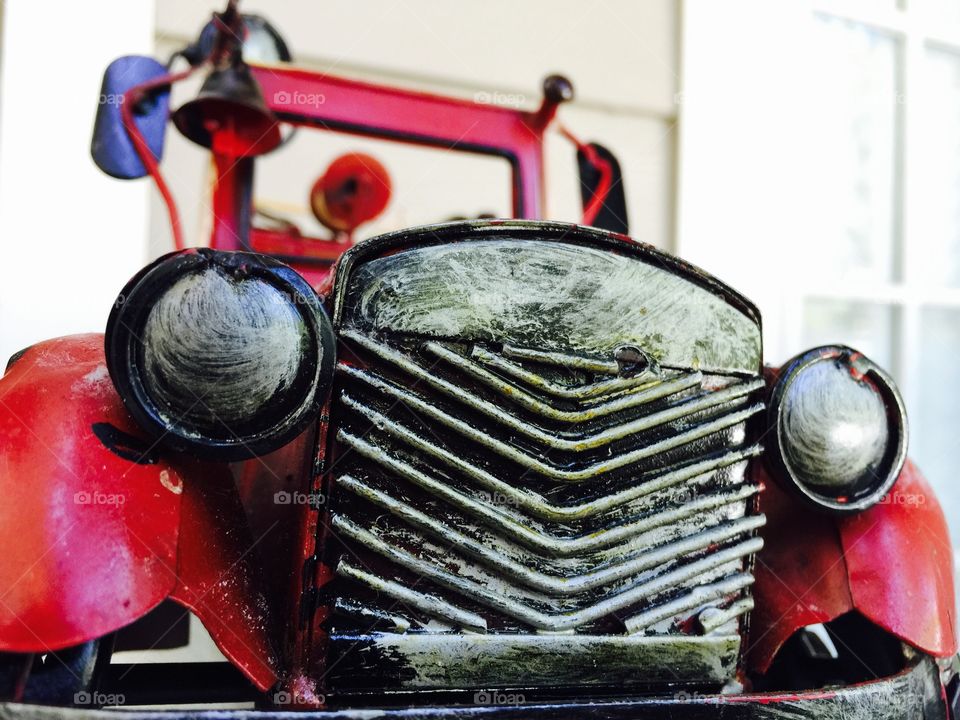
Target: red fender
<point x="892" y="563"/>
<point x="216" y="581"/>
<point x="97" y="527"/>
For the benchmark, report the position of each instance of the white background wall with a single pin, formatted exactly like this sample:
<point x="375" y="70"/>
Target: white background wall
<point x="69" y="236"/>
<point x="748" y="194"/>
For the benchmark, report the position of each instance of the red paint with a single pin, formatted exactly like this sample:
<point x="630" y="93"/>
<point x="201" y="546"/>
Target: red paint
<point x="290" y="243"/>
<point x="773" y="698"/>
<point x="231" y="203"/>
<point x="312" y="257"/>
<point x="892" y="563"/>
<point x="605" y="170"/>
<point x="130" y="101"/>
<point x="217" y="576"/>
<point x="92" y="540"/>
<point x="89" y="538"/>
<point x="800" y="575"/>
<point x="73" y="571"/>
<point x="303" y="98"/>
<point x="899" y="560"/>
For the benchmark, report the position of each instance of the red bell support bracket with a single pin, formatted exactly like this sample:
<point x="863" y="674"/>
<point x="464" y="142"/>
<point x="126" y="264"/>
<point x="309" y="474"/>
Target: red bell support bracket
<point x="302" y="98"/>
<point x="305" y="98"/>
<point x="98" y="528"/>
<point x="892" y="564"/>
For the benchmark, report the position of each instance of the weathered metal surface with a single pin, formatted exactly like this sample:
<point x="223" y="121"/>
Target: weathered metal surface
<point x="535" y="463"/>
<point x="218" y="580"/>
<point x="899" y="559"/>
<point x="552" y="296"/>
<point x="471" y="661"/>
<point x="652" y="489"/>
<point x="602" y="387"/>
<point x="838" y="429"/>
<point x="547" y="582"/>
<point x="589" y="485"/>
<point x="204" y="341"/>
<point x="915" y="694"/>
<point x="430" y="605"/>
<point x="521" y="604"/>
<point x="565" y="439"/>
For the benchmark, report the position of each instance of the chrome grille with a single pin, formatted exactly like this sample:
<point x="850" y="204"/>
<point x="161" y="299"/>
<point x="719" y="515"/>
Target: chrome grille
<point x="537" y="467"/>
<point x="515" y="491"/>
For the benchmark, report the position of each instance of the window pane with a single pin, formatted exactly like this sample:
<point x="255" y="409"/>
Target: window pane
<point x="935" y="420"/>
<point x="866" y="327"/>
<point x="937" y="249"/>
<point x="854" y="131"/>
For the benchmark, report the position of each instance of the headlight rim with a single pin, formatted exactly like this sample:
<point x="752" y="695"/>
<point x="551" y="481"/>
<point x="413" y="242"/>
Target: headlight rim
<point x="897" y="447"/>
<point x="129" y="315"/>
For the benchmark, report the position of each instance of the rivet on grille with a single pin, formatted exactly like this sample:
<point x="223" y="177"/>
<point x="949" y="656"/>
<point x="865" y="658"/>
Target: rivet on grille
<point x="633" y="361"/>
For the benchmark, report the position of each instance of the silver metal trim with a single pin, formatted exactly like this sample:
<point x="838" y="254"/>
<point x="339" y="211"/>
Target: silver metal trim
<point x="609" y="464"/>
<point x="591" y="391"/>
<point x="586" y="662"/>
<point x="557" y="441"/>
<point x="517" y="531"/>
<point x="350" y="607"/>
<point x="531" y="616"/>
<point x="669" y="386"/>
<point x="536" y="503"/>
<point x="607" y="367"/>
<point x="518" y="395"/>
<point x="433" y="606"/>
<point x="698" y="596"/>
<point x="724" y="615"/>
<point x="562" y="585"/>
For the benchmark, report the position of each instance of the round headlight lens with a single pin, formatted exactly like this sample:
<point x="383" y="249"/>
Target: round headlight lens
<point x="840" y="429"/>
<point x="224" y="355"/>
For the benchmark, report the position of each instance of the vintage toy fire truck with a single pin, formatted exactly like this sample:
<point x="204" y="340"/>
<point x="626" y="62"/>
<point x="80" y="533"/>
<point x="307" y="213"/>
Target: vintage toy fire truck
<point x="494" y="468"/>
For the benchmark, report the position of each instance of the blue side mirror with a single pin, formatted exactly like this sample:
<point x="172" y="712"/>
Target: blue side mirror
<point x="112" y="150"/>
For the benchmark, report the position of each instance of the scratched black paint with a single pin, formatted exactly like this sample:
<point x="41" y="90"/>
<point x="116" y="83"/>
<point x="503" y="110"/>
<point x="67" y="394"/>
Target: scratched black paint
<point x="123" y="444"/>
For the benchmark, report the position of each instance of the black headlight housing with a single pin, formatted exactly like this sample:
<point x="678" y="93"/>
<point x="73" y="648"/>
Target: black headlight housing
<point x="839" y="429"/>
<point x="224" y="355"/>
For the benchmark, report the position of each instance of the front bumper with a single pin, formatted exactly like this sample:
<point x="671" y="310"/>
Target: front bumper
<point x="914" y="694"/>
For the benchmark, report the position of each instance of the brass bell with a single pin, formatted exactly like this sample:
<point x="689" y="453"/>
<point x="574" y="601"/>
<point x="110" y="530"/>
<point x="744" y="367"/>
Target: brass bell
<point x="229" y="114"/>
